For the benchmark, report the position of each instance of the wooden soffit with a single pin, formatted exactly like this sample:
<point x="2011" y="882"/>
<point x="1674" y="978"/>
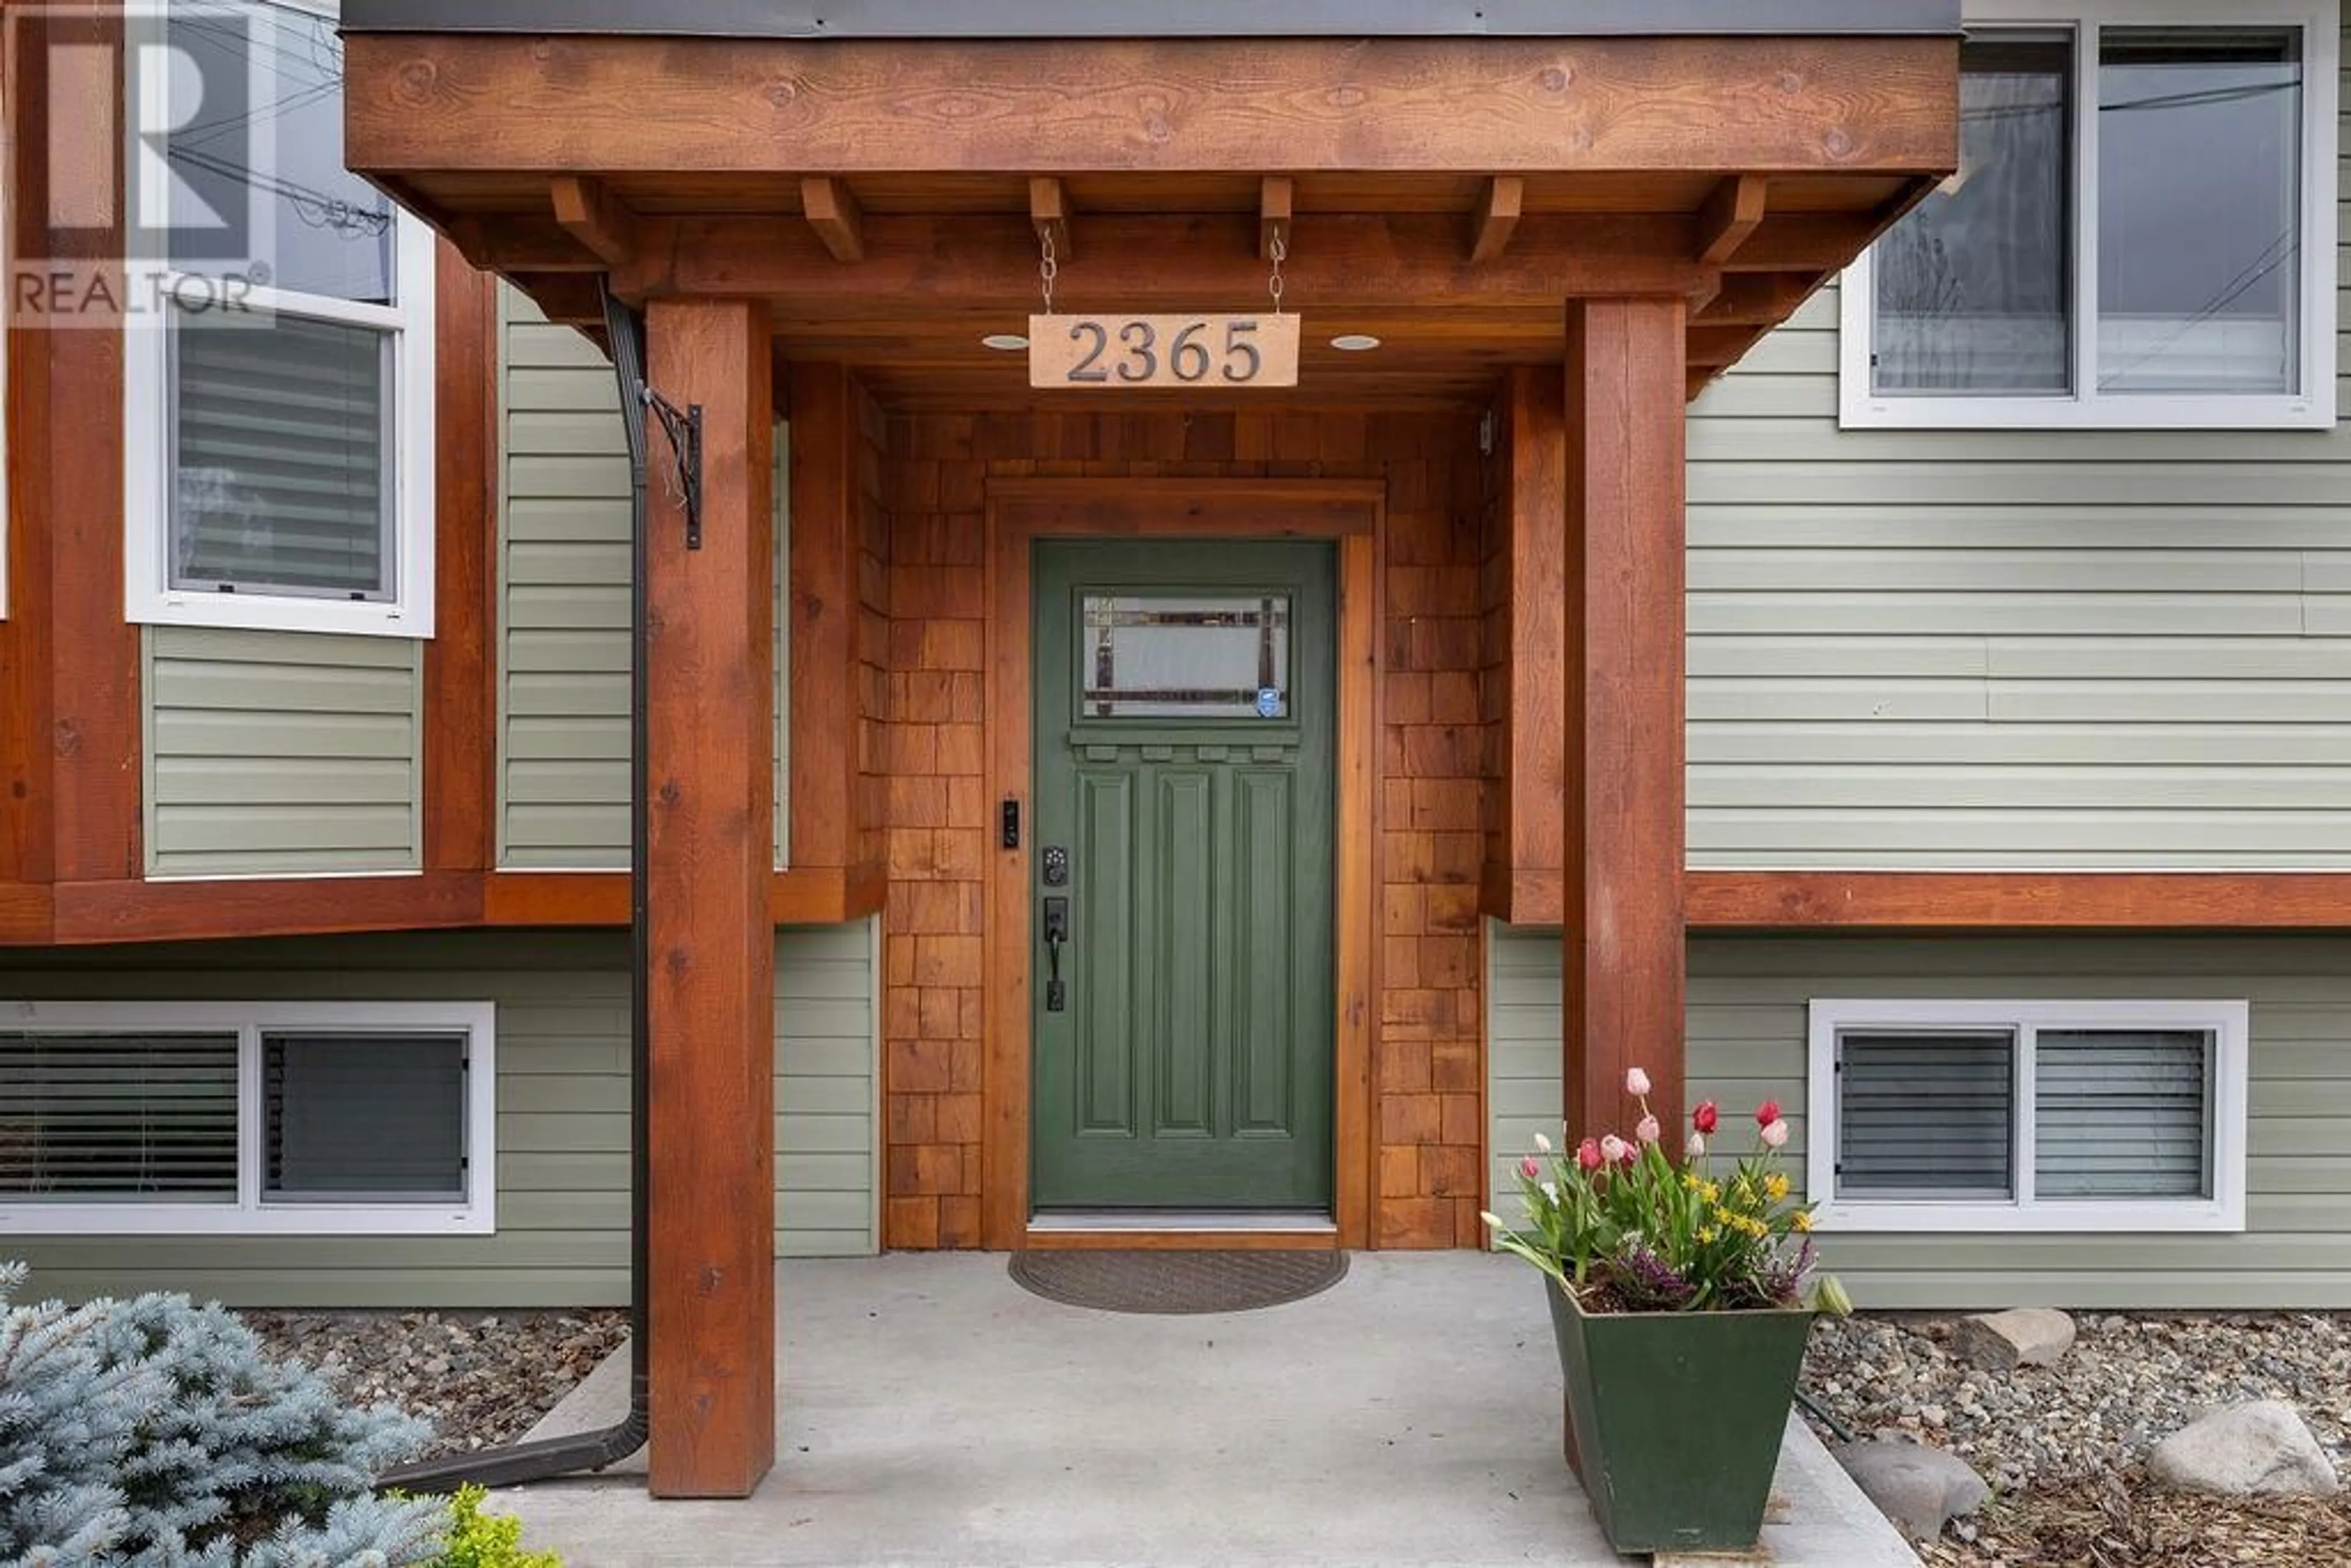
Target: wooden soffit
<point x="885" y="196"/>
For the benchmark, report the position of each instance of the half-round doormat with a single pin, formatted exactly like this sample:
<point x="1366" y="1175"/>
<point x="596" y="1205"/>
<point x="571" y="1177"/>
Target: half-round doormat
<point x="1135" y="1281"/>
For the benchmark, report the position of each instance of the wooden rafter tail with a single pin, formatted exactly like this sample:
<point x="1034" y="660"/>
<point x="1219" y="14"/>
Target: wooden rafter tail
<point x="1275" y="207"/>
<point x="1049" y="212"/>
<point x="1498" y="217"/>
<point x="1731" y="217"/>
<point x="591" y="213"/>
<point x="832" y="211"/>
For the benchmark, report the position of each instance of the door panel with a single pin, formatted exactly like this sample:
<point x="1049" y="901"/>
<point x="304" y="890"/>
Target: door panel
<point x="1184" y="741"/>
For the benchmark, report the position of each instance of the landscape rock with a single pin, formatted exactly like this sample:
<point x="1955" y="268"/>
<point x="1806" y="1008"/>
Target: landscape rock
<point x="1918" y="1488"/>
<point x="2258" y="1445"/>
<point x="2023" y="1336"/>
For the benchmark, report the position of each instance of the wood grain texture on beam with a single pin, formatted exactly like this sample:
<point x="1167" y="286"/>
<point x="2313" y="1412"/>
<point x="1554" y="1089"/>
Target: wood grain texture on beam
<point x="129" y="910"/>
<point x="592" y="215"/>
<point x="1732" y="214"/>
<point x="1497" y="217"/>
<point x="609" y="104"/>
<point x="2019" y="901"/>
<point x="822" y="596"/>
<point x="711" y="850"/>
<point x="1624" y="824"/>
<point x="1534" y="430"/>
<point x="1755" y="299"/>
<point x="460" y="782"/>
<point x="1049" y="216"/>
<point x="832" y="209"/>
<point x="1276" y="202"/>
<point x="914" y="265"/>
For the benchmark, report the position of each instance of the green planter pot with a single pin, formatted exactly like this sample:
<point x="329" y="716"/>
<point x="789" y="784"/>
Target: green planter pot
<point x="1675" y="1418"/>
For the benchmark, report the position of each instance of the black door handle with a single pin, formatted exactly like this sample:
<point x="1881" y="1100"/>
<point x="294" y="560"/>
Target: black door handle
<point x="1057" y="933"/>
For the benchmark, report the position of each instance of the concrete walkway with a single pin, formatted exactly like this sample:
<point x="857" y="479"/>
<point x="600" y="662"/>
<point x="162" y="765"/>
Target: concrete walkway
<point x="935" y="1413"/>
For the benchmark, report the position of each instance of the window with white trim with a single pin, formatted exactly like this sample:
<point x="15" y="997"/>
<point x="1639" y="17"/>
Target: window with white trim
<point x="2047" y="1116"/>
<point x="2140" y="233"/>
<point x="279" y="460"/>
<point x="214" y="1118"/>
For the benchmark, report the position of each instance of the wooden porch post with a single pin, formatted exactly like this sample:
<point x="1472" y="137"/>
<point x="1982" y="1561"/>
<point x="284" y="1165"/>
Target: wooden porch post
<point x="1622" y="900"/>
<point x="710" y="755"/>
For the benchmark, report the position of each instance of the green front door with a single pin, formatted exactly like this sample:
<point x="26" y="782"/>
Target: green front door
<point x="1181" y="873"/>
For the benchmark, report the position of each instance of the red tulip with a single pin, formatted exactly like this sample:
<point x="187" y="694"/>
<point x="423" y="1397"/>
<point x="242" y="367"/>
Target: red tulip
<point x="1706" y="1117"/>
<point x="1767" y="1112"/>
<point x="1587" y="1154"/>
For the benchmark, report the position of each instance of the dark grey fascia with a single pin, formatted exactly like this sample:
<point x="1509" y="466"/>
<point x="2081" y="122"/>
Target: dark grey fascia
<point x="1166" y="19"/>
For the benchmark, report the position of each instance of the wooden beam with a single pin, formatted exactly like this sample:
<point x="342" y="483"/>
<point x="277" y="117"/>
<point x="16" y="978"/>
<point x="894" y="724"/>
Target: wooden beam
<point x="1806" y="242"/>
<point x="832" y="211"/>
<point x="1276" y="201"/>
<point x="914" y="265"/>
<point x="1623" y="825"/>
<point x="1730" y="215"/>
<point x="1498" y="217"/>
<point x="711" y="995"/>
<point x="515" y="242"/>
<point x="1534" y="432"/>
<point x="1048" y="215"/>
<point x="460" y="785"/>
<point x="596" y="219"/>
<point x="822" y="627"/>
<point x="1755" y="299"/>
<point x="421" y="101"/>
<point x="1718" y="348"/>
<point x="2019" y="901"/>
<point x="130" y="910"/>
<point x="567" y="298"/>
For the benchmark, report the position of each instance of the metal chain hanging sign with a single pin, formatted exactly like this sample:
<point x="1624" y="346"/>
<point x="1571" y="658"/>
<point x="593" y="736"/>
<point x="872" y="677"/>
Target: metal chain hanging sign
<point x="1114" y="349"/>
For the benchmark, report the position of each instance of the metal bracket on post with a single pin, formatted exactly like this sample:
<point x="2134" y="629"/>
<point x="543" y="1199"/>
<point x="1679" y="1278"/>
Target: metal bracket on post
<point x="684" y="433"/>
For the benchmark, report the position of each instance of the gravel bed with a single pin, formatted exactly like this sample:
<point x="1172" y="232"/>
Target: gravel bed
<point x="481" y="1378"/>
<point x="2063" y="1446"/>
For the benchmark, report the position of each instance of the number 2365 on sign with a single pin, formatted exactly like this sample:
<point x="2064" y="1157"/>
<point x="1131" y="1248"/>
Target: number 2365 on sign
<point x="1198" y="351"/>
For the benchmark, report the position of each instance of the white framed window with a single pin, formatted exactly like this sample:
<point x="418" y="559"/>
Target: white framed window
<point x="279" y="460"/>
<point x="2041" y="1115"/>
<point x="2140" y="236"/>
<point x="248" y="1119"/>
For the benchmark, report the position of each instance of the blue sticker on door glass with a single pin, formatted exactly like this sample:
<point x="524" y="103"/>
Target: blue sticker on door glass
<point x="1268" y="702"/>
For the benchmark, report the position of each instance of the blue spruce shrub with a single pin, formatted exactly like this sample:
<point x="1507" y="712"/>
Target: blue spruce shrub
<point x="154" y="1433"/>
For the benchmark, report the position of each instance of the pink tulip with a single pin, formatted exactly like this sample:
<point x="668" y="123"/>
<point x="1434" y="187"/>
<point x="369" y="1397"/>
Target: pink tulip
<point x="1776" y="1134"/>
<point x="1528" y="1169"/>
<point x="1588" y="1155"/>
<point x="1648" y="1132"/>
<point x="1636" y="1082"/>
<point x="1615" y="1150"/>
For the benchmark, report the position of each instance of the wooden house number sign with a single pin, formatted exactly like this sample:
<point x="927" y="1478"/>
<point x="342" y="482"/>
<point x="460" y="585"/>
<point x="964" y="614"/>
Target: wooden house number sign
<point x="1114" y="350"/>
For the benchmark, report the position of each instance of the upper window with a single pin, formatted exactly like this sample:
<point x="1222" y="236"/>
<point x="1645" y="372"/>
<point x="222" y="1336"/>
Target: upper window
<point x="211" y="1118"/>
<point x="1155" y="655"/>
<point x="1964" y="1115"/>
<point x="2140" y="233"/>
<point x="280" y="451"/>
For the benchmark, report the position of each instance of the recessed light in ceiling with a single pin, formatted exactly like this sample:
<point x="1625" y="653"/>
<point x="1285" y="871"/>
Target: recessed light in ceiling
<point x="1355" y="342"/>
<point x="1007" y="343"/>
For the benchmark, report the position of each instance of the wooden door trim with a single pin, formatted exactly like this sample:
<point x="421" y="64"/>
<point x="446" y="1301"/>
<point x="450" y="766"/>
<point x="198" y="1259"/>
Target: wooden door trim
<point x="1019" y="511"/>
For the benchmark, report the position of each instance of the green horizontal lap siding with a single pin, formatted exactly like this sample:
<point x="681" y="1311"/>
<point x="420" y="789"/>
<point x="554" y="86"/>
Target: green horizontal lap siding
<point x="281" y="752"/>
<point x="1917" y="649"/>
<point x="1748" y="1032"/>
<point x="563" y="597"/>
<point x="562" y="1115"/>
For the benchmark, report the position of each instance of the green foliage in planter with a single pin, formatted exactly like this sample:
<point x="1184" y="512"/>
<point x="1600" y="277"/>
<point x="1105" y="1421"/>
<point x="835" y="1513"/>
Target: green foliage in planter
<point x="155" y="1431"/>
<point x="478" y="1540"/>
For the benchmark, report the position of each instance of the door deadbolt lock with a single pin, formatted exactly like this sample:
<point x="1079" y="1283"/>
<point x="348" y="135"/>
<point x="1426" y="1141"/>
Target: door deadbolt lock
<point x="1056" y="866"/>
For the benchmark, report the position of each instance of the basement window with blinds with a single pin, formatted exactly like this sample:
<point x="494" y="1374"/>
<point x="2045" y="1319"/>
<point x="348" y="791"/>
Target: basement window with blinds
<point x="225" y="1119"/>
<point x="279" y="402"/>
<point x="2060" y="1115"/>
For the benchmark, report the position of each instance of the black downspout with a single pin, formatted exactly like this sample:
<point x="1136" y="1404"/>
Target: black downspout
<point x="518" y="1462"/>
